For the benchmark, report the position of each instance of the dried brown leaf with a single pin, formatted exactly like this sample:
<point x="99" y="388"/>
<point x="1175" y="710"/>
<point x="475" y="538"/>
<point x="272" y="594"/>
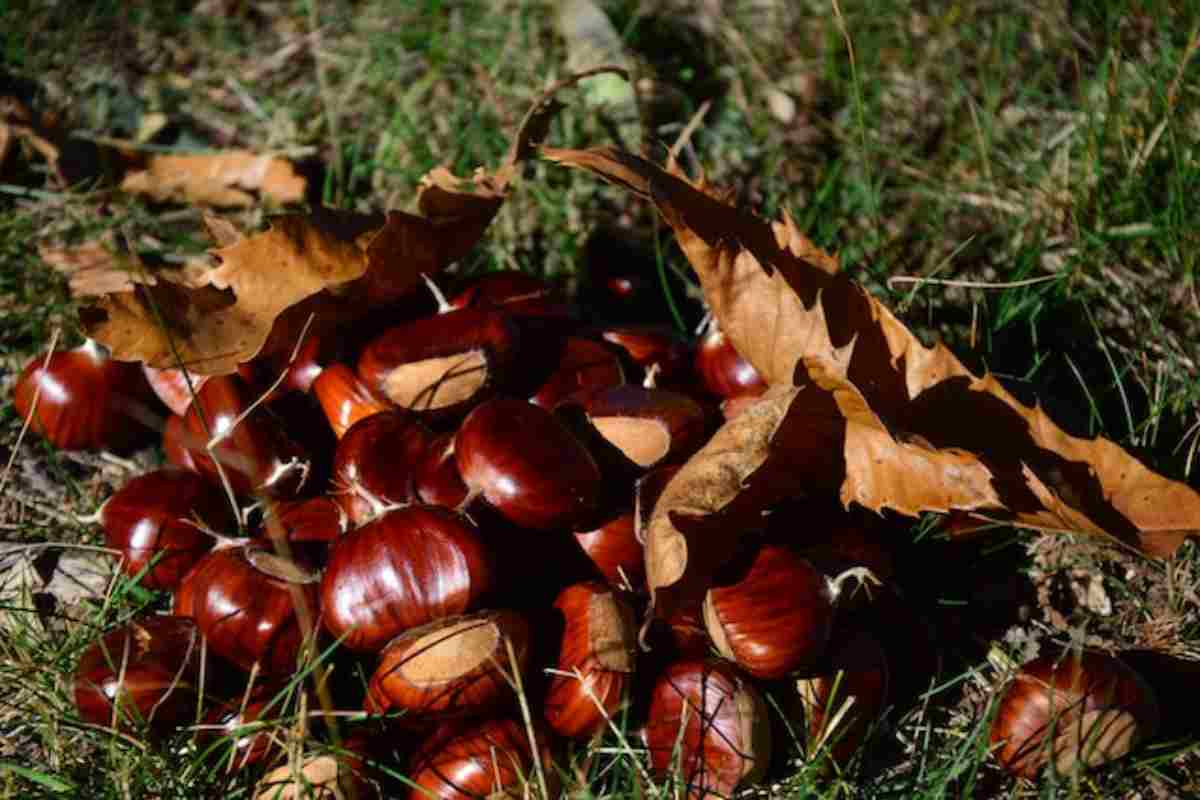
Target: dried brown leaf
<point x="229" y="179"/>
<point x="787" y="309"/>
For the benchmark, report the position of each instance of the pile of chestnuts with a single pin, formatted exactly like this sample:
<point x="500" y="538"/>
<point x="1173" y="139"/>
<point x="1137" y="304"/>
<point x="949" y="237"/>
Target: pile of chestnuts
<point x="435" y="519"/>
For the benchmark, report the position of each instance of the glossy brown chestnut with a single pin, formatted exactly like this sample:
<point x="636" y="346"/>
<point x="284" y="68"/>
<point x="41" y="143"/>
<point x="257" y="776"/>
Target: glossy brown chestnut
<point x="527" y="465"/>
<point x="583" y="366"/>
<point x="345" y="399"/>
<point x="151" y="667"/>
<point x="175" y="440"/>
<point x="453" y="667"/>
<point x="468" y="760"/>
<point x="174" y="386"/>
<point x="724" y="735"/>
<point x="407" y="568"/>
<point x="374" y="463"/>
<point x="85" y="400"/>
<point x="772" y="616"/>
<point x="844" y="695"/>
<point x="1072" y="710"/>
<point x="653" y="345"/>
<point x="435" y="477"/>
<point x="243" y="598"/>
<point x="444" y="365"/>
<point x="257" y="455"/>
<point x="517" y="293"/>
<point x="320" y="520"/>
<point x="595" y="661"/>
<point x="618" y="555"/>
<point x="723" y="370"/>
<point x="152" y="520"/>
<point x="242" y="732"/>
<point x="649" y="426"/>
<point x="298" y="373"/>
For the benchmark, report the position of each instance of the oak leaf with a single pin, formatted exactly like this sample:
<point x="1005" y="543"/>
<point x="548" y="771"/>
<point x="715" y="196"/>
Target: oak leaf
<point x="227" y="179"/>
<point x="773" y="292"/>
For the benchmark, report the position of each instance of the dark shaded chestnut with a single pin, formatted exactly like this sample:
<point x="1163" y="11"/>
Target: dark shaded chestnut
<point x="618" y="555"/>
<point x="85" y="399"/>
<point x="595" y="661"/>
<point x="374" y="462"/>
<point x="649" y="426"/>
<point x="345" y="399"/>
<point x="241" y="731"/>
<point x="298" y="373"/>
<point x="527" y="465"/>
<point x="244" y="599"/>
<point x="657" y="346"/>
<point x="723" y="370"/>
<point x="516" y="293"/>
<point x="150" y="668"/>
<point x="435" y="477"/>
<point x="444" y="365"/>
<point x="582" y="366"/>
<point x="844" y="694"/>
<point x="308" y="528"/>
<point x="1072" y="710"/>
<point x="174" y="386"/>
<point x="719" y="722"/>
<point x="404" y="569"/>
<point x="467" y="760"/>
<point x="771" y="615"/>
<point x="452" y="667"/>
<point x="176" y="449"/>
<point x="256" y="454"/>
<point x="152" y="520"/>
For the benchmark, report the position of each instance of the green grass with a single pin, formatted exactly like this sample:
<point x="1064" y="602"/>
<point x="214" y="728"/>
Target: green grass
<point x="974" y="145"/>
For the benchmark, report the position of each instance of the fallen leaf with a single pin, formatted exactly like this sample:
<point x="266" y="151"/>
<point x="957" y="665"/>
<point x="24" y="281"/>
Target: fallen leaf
<point x="793" y="441"/>
<point x="332" y="266"/>
<point x="787" y="308"/>
<point x="228" y="179"/>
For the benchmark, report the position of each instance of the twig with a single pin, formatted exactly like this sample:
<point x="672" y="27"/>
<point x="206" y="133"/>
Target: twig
<point x="972" y="284"/>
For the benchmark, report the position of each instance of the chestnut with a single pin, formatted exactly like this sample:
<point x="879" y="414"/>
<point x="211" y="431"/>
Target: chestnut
<point x="319" y="520"/>
<point x="255" y="453"/>
<point x="244" y="599"/>
<point x="618" y="555"/>
<point x="435" y="477"/>
<point x="152" y="520"/>
<point x="406" y="568"/>
<point x="444" y="365"/>
<point x="583" y="365"/>
<point x="844" y="695"/>
<point x="150" y="668"/>
<point x="723" y="370"/>
<point x="494" y="758"/>
<point x="334" y="775"/>
<point x="1072" y="710"/>
<point x="527" y="465"/>
<point x="771" y="615"/>
<point x="595" y="662"/>
<point x="345" y="399"/>
<point x="516" y="293"/>
<point x="85" y="399"/>
<point x="649" y="426"/>
<point x="719" y="722"/>
<point x="373" y="464"/>
<point x="241" y="731"/>
<point x="175" y="386"/>
<point x="452" y="667"/>
<point x="653" y="346"/>
<point x="178" y="444"/>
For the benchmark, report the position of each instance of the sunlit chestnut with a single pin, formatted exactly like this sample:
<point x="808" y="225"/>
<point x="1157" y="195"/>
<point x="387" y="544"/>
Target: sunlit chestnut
<point x="255" y="453"/>
<point x="723" y="370"/>
<point x="374" y="462"/>
<point x="345" y="399"/>
<point x="595" y="661"/>
<point x="1072" y="710"/>
<point x="452" y="667"/>
<point x="527" y="465"/>
<point x="581" y="366"/>
<point x="649" y="426"/>
<point x="772" y="613"/>
<point x="149" y="668"/>
<point x="174" y="386"/>
<point x="85" y="400"/>
<point x="402" y="570"/>
<point x="153" y="522"/>
<point x="493" y="758"/>
<point x="719" y="722"/>
<point x="843" y="695"/>
<point x="618" y="555"/>
<point x="436" y="478"/>
<point x="252" y="605"/>
<point x="444" y="365"/>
